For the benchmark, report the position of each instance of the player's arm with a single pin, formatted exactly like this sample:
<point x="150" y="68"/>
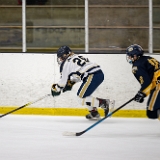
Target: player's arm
<point x="58" y="87"/>
<point x="63" y="84"/>
<point x="146" y="85"/>
<point x="68" y="86"/>
<point x="145" y="80"/>
<point x="74" y="78"/>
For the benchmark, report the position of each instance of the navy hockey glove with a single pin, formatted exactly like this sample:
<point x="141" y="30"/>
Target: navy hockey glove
<point x="55" y="90"/>
<point x="68" y="86"/>
<point x="139" y="97"/>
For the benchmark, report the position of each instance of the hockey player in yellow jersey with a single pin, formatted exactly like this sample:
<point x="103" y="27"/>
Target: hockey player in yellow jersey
<point x="76" y="68"/>
<point x="146" y="70"/>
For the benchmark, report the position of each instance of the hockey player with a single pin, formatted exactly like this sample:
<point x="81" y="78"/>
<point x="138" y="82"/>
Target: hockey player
<point x="76" y="68"/>
<point x="146" y="70"/>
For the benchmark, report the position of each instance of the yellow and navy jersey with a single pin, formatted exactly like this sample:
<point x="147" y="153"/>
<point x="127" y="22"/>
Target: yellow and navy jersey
<point x="146" y="70"/>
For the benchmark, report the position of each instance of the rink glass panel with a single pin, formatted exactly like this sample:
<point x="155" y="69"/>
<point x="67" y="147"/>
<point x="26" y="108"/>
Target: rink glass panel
<point x="113" y="25"/>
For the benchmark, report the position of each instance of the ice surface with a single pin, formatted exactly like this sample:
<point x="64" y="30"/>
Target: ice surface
<point x="40" y="138"/>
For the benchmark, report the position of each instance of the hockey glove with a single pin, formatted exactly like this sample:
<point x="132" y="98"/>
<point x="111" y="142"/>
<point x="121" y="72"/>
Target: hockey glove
<point x="68" y="86"/>
<point x="55" y="90"/>
<point x="139" y="97"/>
<point x="158" y="80"/>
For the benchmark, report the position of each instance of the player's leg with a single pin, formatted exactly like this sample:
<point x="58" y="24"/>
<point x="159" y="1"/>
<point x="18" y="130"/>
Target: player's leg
<point x="85" y="91"/>
<point x="89" y="85"/>
<point x="153" y="107"/>
<point x="92" y="104"/>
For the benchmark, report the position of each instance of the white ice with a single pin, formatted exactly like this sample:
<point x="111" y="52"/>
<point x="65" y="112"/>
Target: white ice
<point x="40" y="138"/>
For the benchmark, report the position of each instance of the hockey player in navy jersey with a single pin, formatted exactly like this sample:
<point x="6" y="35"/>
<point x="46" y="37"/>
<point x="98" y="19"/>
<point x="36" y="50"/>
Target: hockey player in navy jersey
<point x="146" y="70"/>
<point x="76" y="68"/>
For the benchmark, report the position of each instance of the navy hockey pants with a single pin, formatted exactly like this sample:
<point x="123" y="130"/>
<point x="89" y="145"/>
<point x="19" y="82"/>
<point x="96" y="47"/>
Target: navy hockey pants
<point x="90" y="84"/>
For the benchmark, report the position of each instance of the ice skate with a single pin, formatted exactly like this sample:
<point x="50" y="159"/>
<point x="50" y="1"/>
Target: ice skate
<point x="93" y="115"/>
<point x="107" y="105"/>
<point x="104" y="104"/>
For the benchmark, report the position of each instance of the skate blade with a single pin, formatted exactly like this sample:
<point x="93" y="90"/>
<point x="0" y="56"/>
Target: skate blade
<point x="94" y="119"/>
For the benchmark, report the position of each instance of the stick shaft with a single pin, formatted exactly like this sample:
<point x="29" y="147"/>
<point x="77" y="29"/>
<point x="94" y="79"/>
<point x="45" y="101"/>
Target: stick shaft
<point x="80" y="133"/>
<point x="24" y="106"/>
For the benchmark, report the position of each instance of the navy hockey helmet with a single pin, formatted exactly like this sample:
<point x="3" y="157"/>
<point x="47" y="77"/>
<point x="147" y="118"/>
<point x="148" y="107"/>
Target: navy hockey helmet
<point x="134" y="49"/>
<point x="63" y="53"/>
<point x="63" y="50"/>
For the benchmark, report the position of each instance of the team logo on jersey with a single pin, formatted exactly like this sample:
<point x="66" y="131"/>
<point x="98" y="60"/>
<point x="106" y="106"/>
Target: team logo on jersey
<point x="130" y="49"/>
<point x="134" y="69"/>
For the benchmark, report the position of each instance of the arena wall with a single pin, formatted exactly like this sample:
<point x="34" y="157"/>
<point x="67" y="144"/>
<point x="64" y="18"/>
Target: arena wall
<point x="27" y="77"/>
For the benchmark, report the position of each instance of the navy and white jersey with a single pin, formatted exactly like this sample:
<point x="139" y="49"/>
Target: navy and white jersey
<point x="146" y="70"/>
<point x="76" y="64"/>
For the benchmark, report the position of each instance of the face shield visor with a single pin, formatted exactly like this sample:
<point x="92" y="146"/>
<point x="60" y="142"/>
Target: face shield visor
<point x="129" y="59"/>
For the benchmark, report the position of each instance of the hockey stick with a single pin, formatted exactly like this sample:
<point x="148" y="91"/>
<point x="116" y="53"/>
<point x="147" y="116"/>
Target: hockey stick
<point x="80" y="133"/>
<point x="24" y="105"/>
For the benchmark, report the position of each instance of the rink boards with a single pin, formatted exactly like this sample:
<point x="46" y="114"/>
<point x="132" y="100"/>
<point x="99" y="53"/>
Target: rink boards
<point x="70" y="112"/>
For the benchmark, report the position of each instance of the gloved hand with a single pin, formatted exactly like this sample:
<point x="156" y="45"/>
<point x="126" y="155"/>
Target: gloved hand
<point x="55" y="90"/>
<point x="139" y="97"/>
<point x="68" y="86"/>
<point x="158" y="80"/>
